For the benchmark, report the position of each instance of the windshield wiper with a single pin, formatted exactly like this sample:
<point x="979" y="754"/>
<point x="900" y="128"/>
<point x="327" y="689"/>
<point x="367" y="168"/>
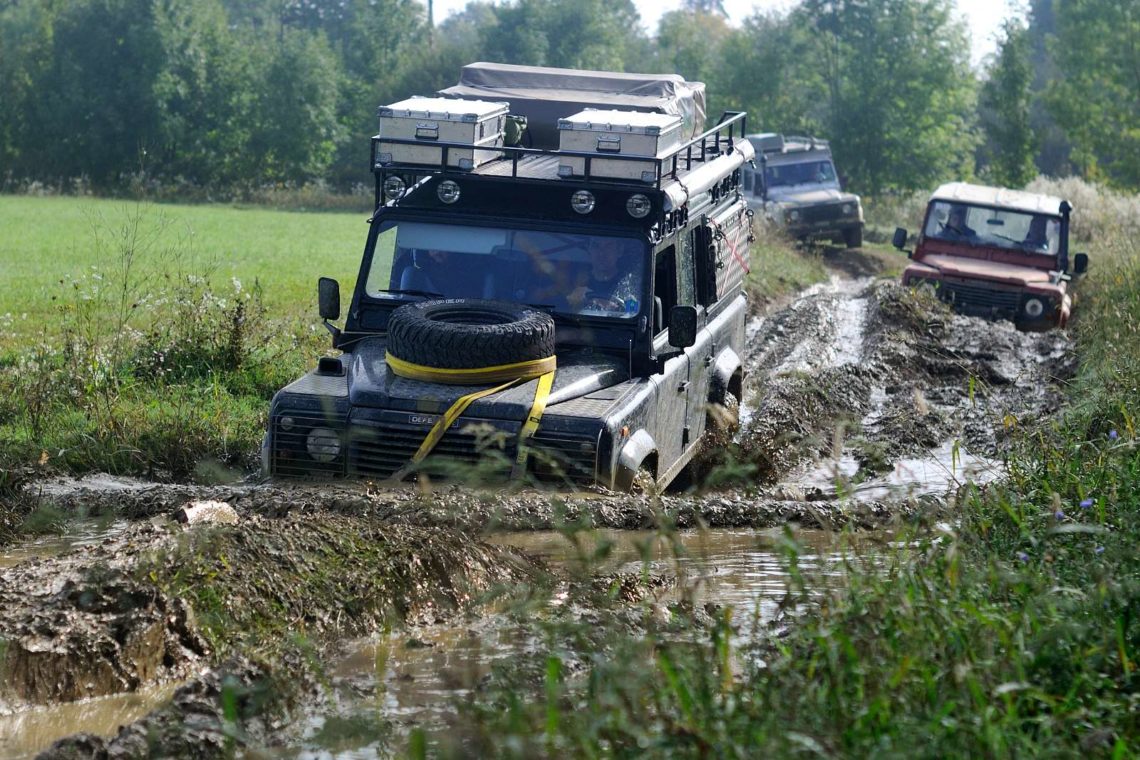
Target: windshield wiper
<point x="411" y="292"/>
<point x="558" y="316"/>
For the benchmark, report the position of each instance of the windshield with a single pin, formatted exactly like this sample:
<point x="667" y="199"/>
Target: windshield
<point x="572" y="273"/>
<point x="806" y="173"/>
<point x="1001" y="228"/>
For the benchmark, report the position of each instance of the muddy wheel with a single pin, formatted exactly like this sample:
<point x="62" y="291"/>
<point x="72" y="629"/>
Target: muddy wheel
<point x="644" y="483"/>
<point x="853" y="237"/>
<point x="722" y="421"/>
<point x="468" y="333"/>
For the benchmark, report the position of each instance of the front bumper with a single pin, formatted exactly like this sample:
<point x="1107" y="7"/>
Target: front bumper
<point x="979" y="298"/>
<point x="375" y="443"/>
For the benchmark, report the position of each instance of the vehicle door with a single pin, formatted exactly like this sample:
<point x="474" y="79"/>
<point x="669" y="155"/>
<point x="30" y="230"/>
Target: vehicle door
<point x="673" y="382"/>
<point x="700" y="353"/>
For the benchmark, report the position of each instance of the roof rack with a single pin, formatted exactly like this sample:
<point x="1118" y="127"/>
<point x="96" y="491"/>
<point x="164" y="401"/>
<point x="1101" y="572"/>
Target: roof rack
<point x="683" y="159"/>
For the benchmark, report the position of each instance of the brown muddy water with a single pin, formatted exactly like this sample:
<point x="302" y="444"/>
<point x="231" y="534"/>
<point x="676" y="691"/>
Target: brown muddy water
<point x="418" y="677"/>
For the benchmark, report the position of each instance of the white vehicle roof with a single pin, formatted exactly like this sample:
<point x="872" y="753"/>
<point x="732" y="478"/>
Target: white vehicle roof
<point x="998" y="197"/>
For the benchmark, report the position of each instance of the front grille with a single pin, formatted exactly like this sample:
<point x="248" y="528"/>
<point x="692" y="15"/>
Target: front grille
<point x="980" y="297"/>
<point x="290" y="457"/>
<point x="563" y="457"/>
<point x="378" y="451"/>
<point x="816" y="214"/>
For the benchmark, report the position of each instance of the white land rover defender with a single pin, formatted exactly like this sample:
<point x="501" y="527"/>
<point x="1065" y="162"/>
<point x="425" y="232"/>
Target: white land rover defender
<point x="566" y="308"/>
<point x="796" y="186"/>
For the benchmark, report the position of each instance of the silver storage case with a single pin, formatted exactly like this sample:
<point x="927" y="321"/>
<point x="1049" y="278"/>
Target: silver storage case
<point x="478" y="123"/>
<point x="611" y="133"/>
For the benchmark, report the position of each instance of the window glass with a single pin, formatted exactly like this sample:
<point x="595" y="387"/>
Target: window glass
<point x="997" y="228"/>
<point x="598" y="275"/>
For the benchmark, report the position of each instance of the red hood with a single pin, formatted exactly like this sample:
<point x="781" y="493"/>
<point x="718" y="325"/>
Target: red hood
<point x="1012" y="274"/>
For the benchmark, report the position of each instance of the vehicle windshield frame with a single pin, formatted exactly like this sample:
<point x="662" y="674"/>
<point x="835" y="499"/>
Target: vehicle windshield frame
<point x="1017" y="242"/>
<point x="547" y="270"/>
<point x="825" y="161"/>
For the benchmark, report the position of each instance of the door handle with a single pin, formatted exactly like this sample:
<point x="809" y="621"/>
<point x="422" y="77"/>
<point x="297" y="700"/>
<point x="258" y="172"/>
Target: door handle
<point x="683" y="387"/>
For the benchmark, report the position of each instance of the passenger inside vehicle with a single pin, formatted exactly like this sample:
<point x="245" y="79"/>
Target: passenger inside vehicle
<point x="443" y="273"/>
<point x="955" y="227"/>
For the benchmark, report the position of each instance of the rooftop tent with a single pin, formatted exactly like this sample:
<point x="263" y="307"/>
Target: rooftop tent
<point x="545" y="95"/>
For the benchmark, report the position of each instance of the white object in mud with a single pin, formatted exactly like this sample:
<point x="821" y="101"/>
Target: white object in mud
<point x="197" y="512"/>
<point x="427" y="121"/>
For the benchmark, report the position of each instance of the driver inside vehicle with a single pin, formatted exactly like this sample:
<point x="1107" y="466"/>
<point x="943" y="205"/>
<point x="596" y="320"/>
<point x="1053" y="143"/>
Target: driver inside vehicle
<point x="610" y="283"/>
<point x="438" y="272"/>
<point x="955" y="227"/>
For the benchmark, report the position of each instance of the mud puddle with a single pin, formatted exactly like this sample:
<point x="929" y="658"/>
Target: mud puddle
<point x="76" y="535"/>
<point x="26" y="733"/>
<point x="418" y="677"/>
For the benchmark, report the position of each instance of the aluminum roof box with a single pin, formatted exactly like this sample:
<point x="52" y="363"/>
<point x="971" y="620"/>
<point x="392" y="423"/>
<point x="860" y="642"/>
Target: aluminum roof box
<point x="428" y="121"/>
<point x="617" y="133"/>
<point x="544" y="95"/>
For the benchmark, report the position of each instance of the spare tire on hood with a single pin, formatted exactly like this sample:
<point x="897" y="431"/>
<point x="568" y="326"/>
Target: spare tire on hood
<point x="469" y="333"/>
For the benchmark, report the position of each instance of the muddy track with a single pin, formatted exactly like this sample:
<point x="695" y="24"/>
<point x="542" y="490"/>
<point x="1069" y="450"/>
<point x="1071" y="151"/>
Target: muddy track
<point x="866" y="404"/>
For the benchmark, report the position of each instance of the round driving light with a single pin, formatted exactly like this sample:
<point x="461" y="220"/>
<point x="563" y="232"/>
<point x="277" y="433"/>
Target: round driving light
<point x="394" y="187"/>
<point x="1034" y="308"/>
<point x="794" y="215"/>
<point x="848" y="209"/>
<point x="287" y="423"/>
<point x="638" y="206"/>
<point x="448" y="191"/>
<point x="323" y="444"/>
<point x="582" y="201"/>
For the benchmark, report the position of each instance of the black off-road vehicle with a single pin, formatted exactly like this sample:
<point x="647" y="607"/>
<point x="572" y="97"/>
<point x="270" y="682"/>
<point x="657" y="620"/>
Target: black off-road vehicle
<point x="568" y="325"/>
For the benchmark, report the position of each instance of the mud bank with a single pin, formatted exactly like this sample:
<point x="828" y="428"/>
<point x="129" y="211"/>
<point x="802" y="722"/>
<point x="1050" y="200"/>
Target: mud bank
<point x="156" y="601"/>
<point x="878" y="374"/>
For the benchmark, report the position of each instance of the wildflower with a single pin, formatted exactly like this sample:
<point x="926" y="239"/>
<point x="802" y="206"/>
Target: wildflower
<point x="1086" y="503"/>
<point x="1059" y="514"/>
<point x="1023" y="556"/>
<point x="1113" y="435"/>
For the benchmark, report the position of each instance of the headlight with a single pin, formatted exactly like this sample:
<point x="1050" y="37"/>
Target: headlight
<point x="1034" y="308"/>
<point x="394" y="187"/>
<point x="793" y="215"/>
<point x="638" y="206"/>
<point x="582" y="201"/>
<point x="287" y="423"/>
<point x="848" y="209"/>
<point x="323" y="444"/>
<point x="448" y="191"/>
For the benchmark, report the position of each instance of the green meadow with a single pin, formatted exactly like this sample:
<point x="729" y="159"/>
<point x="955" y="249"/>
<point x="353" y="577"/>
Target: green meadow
<point x="44" y="241"/>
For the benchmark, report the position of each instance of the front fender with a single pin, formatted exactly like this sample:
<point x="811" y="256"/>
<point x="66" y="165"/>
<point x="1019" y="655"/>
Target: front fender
<point x="634" y="452"/>
<point x="727" y="364"/>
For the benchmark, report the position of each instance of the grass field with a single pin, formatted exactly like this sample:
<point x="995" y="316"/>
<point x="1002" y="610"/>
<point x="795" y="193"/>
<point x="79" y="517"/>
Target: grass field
<point x="46" y="240"/>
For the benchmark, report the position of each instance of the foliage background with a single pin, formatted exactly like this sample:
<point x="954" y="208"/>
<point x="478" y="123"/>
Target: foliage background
<point x="212" y="99"/>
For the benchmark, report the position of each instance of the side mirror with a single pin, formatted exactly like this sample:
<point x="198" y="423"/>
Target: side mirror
<point x="328" y="298"/>
<point x="1080" y="263"/>
<point x="682" y="326"/>
<point x="899" y="240"/>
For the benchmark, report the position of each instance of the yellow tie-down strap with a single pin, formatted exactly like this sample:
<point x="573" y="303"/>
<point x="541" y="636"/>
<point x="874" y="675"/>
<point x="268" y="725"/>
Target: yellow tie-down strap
<point x="507" y="375"/>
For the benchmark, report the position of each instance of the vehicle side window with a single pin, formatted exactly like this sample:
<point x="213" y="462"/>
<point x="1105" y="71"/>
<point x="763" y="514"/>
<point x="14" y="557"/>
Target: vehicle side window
<point x="686" y="277"/>
<point x="705" y="265"/>
<point x="664" y="288"/>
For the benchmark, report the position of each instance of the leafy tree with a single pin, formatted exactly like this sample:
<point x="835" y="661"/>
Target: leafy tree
<point x="900" y="93"/>
<point x="767" y="69"/>
<point x="94" y="112"/>
<point x="1004" y="107"/>
<point x="690" y="43"/>
<point x="1097" y="98"/>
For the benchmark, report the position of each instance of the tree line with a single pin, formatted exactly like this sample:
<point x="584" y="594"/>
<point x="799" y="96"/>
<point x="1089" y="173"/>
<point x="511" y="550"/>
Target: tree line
<point x="233" y="94"/>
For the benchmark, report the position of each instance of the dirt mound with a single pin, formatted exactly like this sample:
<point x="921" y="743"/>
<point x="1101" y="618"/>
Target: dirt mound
<point x="873" y="373"/>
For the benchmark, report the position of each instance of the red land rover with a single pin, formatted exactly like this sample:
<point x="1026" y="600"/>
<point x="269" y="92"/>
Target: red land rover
<point x="997" y="253"/>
